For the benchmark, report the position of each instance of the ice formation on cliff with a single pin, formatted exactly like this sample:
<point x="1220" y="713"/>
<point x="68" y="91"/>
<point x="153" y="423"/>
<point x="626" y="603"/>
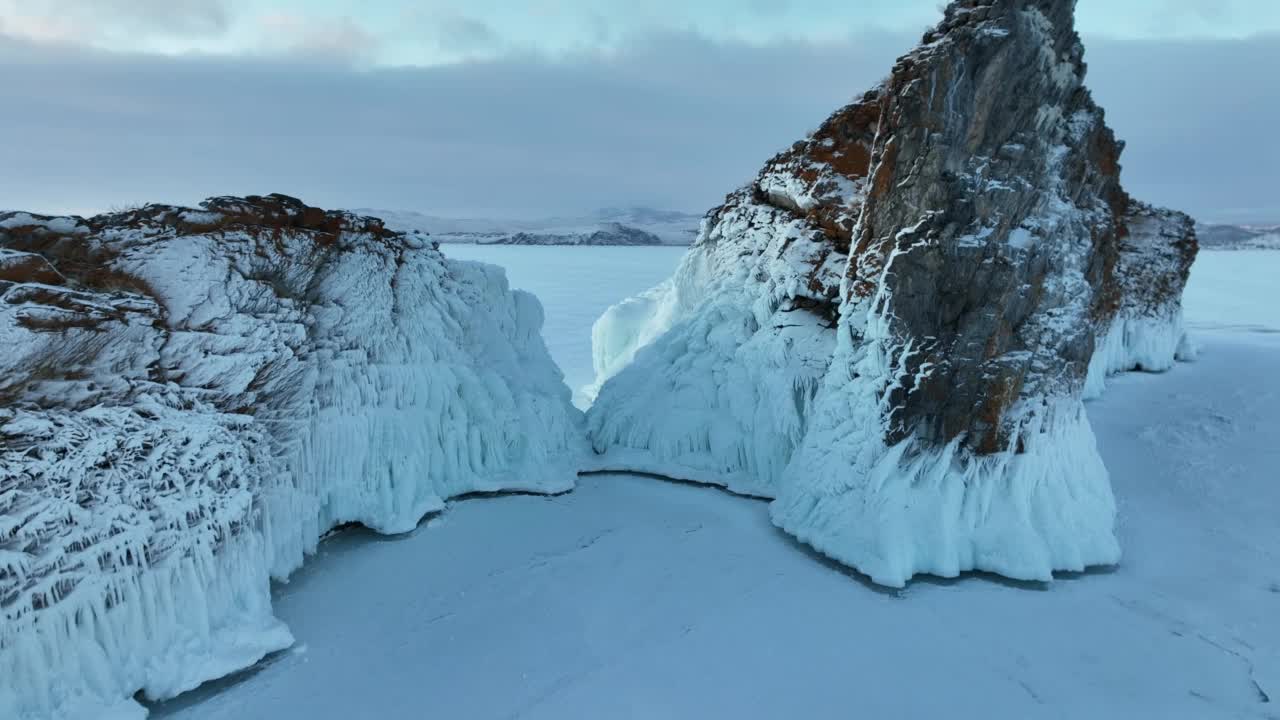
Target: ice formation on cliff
<point x="191" y="398"/>
<point x="891" y="330"/>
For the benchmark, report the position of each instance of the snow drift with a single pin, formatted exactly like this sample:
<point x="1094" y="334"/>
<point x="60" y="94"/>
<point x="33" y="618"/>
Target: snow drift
<point x="891" y="330"/>
<point x="191" y="398"/>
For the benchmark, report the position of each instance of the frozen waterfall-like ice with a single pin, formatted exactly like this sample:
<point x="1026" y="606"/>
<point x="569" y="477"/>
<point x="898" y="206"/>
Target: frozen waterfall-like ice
<point x="196" y="397"/>
<point x="892" y="329"/>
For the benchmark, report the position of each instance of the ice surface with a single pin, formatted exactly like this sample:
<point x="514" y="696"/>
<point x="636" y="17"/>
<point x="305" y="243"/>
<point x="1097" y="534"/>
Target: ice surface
<point x="636" y="598"/>
<point x="166" y="630"/>
<point x="172" y="458"/>
<point x="580" y="606"/>
<point x="728" y="405"/>
<point x="1225" y="289"/>
<point x="909" y="511"/>
<point x="711" y="375"/>
<point x="581" y="285"/>
<point x="1138" y="342"/>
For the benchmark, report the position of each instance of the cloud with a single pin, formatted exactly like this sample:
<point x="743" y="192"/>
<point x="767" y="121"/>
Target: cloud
<point x="670" y="120"/>
<point x="341" y="39"/>
<point x="458" y="35"/>
<point x="94" y="21"/>
<point x="432" y="32"/>
<point x="1198" y="117"/>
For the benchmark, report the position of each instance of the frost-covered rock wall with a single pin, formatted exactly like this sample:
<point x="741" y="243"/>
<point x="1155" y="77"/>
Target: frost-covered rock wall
<point x="892" y="328"/>
<point x="890" y="332"/>
<point x="191" y="398"/>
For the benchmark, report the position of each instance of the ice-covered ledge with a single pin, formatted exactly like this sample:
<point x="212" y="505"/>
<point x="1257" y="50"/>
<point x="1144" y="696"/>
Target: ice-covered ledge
<point x="892" y="329"/>
<point x="192" y="397"/>
<point x="1149" y="344"/>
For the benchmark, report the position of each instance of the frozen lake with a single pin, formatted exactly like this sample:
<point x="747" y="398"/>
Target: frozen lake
<point x="1235" y="290"/>
<point x="576" y="285"/>
<point x="636" y="598"/>
<point x="1227" y="291"/>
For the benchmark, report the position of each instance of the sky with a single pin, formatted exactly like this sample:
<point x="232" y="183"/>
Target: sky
<point x="505" y="108"/>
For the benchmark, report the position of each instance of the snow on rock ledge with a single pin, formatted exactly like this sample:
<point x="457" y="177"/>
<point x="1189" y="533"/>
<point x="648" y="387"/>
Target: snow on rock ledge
<point x="189" y="399"/>
<point x="1146" y="331"/>
<point x="891" y="330"/>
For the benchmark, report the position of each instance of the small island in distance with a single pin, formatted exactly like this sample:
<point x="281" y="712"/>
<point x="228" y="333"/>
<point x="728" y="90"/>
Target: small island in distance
<point x="1238" y="237"/>
<point x="609" y="226"/>
<point x="649" y="226"/>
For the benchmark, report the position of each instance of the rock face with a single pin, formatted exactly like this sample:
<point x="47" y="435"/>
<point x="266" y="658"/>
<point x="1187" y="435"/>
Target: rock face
<point x="903" y="312"/>
<point x="190" y="398"/>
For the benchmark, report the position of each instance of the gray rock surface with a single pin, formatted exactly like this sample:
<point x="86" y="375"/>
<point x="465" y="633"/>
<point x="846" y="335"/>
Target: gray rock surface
<point x="962" y="232"/>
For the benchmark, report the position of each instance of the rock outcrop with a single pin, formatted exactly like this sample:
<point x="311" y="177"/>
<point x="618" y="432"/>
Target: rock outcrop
<point x="190" y="398"/>
<point x="892" y="328"/>
<point x="890" y="331"/>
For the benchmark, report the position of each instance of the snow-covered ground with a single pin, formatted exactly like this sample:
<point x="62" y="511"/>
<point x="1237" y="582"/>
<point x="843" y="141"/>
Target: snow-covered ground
<point x="636" y="598"/>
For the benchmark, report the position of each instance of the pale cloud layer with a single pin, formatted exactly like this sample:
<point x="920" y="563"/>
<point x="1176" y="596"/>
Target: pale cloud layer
<point x="669" y="119"/>
<point x="429" y="32"/>
<point x="114" y="22"/>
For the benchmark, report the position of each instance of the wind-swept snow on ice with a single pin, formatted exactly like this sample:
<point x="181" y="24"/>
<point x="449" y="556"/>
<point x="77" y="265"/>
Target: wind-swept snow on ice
<point x="193" y="397"/>
<point x="892" y="328"/>
<point x="630" y="597"/>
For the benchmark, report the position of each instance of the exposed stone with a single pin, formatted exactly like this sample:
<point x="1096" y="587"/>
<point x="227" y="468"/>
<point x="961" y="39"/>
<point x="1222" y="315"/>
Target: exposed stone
<point x="966" y="222"/>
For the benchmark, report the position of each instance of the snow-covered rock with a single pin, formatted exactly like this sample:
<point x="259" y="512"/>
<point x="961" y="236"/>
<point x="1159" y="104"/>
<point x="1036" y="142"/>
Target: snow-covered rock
<point x="891" y="330"/>
<point x="1145" y="330"/>
<point x="190" y="398"/>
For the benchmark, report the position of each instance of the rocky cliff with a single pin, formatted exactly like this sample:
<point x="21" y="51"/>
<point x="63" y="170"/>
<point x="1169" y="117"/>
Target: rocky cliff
<point x="903" y="312"/>
<point x="190" y="398"/>
<point x="890" y="331"/>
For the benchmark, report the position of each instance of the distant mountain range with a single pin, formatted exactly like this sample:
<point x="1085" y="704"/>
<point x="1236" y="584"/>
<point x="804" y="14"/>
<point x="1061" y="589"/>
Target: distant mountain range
<point x="610" y="226"/>
<point x="1239" y="237"/>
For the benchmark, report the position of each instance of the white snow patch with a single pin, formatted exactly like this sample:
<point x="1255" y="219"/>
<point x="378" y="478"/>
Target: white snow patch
<point x="711" y="376"/>
<point x="164" y="629"/>
<point x="383" y="380"/>
<point x="200" y="217"/>
<point x="895" y="512"/>
<point x="59" y="225"/>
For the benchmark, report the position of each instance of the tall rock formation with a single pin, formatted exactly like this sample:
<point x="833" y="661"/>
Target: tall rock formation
<point x="190" y="398"/>
<point x="891" y="329"/>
